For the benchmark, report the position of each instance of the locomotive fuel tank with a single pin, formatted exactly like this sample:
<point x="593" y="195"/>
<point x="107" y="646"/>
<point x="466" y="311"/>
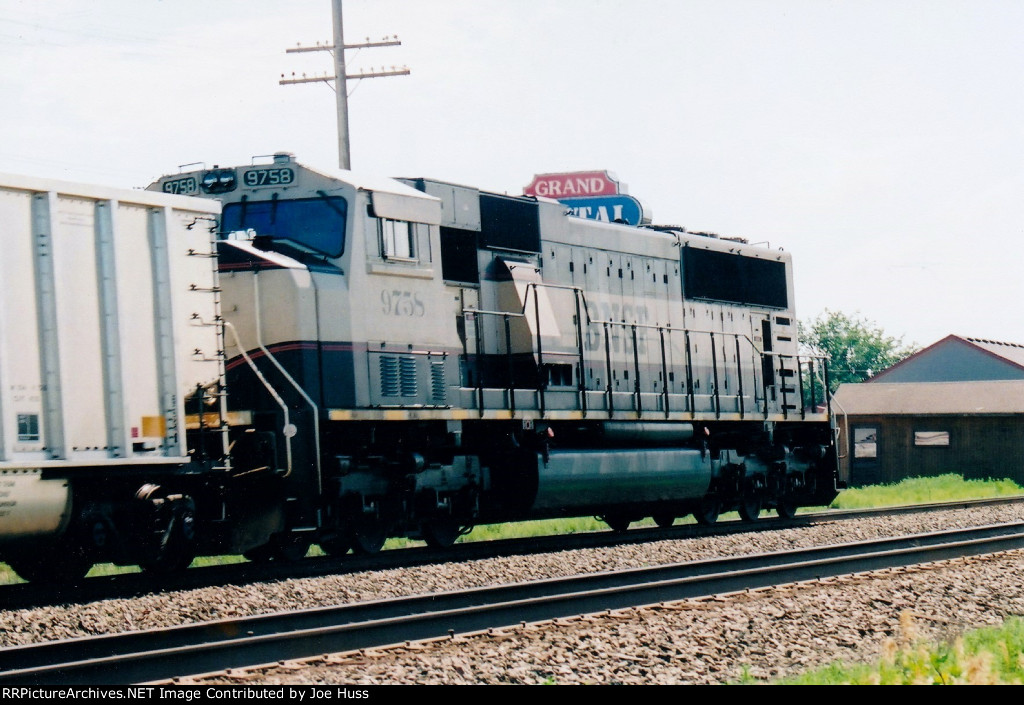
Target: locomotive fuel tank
<point x="602" y="480"/>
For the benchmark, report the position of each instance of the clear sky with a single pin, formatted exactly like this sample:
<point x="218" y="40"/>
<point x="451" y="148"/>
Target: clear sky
<point x="880" y="142"/>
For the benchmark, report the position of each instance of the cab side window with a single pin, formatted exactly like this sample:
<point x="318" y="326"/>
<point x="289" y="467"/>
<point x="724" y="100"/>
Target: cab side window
<point x="397" y="239"/>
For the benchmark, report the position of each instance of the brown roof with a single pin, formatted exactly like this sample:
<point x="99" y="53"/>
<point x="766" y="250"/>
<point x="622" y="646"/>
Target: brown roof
<point x="998" y="397"/>
<point x="1012" y="353"/>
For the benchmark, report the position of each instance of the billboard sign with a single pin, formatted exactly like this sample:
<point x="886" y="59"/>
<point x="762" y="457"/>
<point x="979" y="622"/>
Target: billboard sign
<point x="575" y="184"/>
<point x="611" y="209"/>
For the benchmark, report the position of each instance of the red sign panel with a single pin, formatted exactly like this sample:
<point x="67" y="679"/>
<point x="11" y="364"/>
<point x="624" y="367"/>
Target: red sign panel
<point x="576" y="184"/>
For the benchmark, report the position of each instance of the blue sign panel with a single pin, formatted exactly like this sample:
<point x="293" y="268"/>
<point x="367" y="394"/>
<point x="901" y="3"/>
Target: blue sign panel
<point x="620" y="208"/>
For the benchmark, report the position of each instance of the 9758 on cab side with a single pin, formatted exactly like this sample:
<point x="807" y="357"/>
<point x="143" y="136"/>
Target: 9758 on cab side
<point x="412" y="358"/>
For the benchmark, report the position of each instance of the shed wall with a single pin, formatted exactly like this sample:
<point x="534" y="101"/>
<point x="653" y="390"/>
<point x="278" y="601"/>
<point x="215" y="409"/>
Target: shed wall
<point x="980" y="447"/>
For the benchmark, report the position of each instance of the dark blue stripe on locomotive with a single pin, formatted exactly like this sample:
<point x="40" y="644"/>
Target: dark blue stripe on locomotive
<point x="324" y="370"/>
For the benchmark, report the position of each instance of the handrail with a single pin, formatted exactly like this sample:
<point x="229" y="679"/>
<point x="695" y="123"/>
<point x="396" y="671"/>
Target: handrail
<point x="654" y="326"/>
<point x="739" y="376"/>
<point x="494" y="313"/>
<point x="291" y="380"/>
<point x="674" y="329"/>
<point x="506" y="315"/>
<point x="846" y="421"/>
<point x="583" y="307"/>
<point x="273" y="392"/>
<point x="714" y="377"/>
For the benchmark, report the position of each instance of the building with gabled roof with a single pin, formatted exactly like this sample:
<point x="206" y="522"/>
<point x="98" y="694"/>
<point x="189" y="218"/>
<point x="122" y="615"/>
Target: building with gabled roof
<point x="958" y="359"/>
<point x="957" y="406"/>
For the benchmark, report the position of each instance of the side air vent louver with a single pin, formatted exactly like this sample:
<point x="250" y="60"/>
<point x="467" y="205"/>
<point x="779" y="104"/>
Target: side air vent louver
<point x="389" y="374"/>
<point x="437" y="382"/>
<point x="399" y="379"/>
<point x="407" y="376"/>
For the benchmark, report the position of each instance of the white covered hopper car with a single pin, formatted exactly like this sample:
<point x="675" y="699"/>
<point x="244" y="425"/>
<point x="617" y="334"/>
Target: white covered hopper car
<point x="107" y="322"/>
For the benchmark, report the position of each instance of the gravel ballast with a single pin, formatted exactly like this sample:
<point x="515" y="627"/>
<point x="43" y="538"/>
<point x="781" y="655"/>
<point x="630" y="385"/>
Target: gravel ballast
<point x="760" y="635"/>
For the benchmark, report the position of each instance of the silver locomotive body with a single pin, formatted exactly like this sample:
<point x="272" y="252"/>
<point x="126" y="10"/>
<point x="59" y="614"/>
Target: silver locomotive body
<point x="448" y="357"/>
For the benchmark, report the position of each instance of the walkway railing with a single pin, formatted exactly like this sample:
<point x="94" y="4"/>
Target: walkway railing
<point x="793" y="380"/>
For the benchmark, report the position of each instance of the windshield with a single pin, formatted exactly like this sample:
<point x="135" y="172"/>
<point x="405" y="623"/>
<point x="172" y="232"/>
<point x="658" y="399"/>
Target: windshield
<point x="318" y="223"/>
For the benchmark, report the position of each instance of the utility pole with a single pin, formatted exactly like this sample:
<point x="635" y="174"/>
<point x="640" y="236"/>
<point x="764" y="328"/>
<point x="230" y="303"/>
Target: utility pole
<point x="341" y="77"/>
<point x="341" y="88"/>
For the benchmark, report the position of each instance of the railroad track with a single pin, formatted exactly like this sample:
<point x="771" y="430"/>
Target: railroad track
<point x="156" y="655"/>
<point x="20" y="596"/>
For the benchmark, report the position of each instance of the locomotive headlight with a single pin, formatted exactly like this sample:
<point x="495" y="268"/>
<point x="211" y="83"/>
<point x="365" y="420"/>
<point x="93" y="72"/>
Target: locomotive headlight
<point x="219" y="181"/>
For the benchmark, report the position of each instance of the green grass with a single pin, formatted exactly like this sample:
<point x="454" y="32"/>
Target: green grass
<point x="989" y="656"/>
<point x="944" y="488"/>
<point x="923" y="490"/>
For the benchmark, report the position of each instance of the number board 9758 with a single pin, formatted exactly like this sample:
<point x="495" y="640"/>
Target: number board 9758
<point x="272" y="176"/>
<point x="186" y="186"/>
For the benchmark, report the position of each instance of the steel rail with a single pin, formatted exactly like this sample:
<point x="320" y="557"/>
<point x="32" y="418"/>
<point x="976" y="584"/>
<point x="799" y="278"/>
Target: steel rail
<point x="17" y="596"/>
<point x="156" y="655"/>
<point x="895" y="510"/>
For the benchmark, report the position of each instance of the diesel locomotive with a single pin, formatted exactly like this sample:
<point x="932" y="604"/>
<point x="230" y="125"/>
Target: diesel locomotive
<point x="271" y="356"/>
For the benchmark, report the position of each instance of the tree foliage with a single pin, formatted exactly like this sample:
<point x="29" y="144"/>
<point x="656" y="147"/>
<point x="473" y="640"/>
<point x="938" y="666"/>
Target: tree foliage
<point x="855" y="347"/>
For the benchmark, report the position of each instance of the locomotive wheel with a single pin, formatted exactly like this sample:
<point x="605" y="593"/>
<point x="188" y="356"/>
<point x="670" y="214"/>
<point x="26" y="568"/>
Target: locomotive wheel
<point x="168" y="562"/>
<point x="259" y="554"/>
<point x="367" y="539"/>
<point x="707" y="510"/>
<point x="664" y="520"/>
<point x="617" y="522"/>
<point x="786" y="509"/>
<point x="290" y="547"/>
<point x="750" y="508"/>
<point x="441" y="533"/>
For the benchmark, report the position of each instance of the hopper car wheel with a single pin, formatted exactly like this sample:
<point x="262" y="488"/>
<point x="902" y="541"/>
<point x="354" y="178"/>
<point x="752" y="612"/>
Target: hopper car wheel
<point x="664" y="520"/>
<point x="367" y="538"/>
<point x="617" y="522"/>
<point x="750" y="508"/>
<point x="175" y="549"/>
<point x="283" y="547"/>
<point x="441" y="533"/>
<point x="50" y="566"/>
<point x="707" y="510"/>
<point x="786" y="509"/>
<point x="335" y="547"/>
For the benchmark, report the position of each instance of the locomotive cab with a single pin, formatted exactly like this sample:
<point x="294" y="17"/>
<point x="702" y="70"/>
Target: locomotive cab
<point x="325" y="280"/>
